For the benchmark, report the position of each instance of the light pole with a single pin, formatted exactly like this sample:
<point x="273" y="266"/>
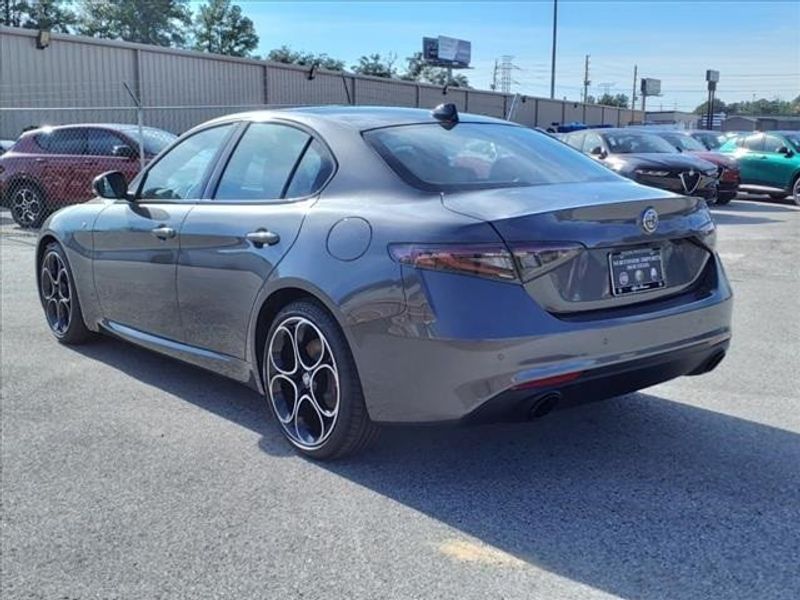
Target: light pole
<point x="553" y="56"/>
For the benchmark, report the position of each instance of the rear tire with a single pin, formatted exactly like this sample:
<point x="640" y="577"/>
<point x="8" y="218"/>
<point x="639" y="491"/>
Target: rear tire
<point x="312" y="385"/>
<point x="27" y="204"/>
<point x="62" y="310"/>
<point x="796" y="191"/>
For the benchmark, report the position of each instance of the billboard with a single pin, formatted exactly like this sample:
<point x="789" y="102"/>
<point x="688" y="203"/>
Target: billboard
<point x="651" y="87"/>
<point x="445" y="51"/>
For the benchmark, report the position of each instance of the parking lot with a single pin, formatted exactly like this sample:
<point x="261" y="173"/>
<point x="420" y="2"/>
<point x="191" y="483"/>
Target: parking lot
<point x="128" y="475"/>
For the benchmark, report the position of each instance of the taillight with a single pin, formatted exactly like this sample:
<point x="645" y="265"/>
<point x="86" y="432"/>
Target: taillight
<point x="707" y="235"/>
<point x="522" y="262"/>
<point x="485" y="260"/>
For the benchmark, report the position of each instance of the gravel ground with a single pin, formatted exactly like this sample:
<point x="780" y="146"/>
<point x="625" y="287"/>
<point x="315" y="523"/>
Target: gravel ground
<point x="129" y="475"/>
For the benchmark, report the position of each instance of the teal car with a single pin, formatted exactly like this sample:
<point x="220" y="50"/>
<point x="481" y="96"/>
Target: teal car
<point x="769" y="162"/>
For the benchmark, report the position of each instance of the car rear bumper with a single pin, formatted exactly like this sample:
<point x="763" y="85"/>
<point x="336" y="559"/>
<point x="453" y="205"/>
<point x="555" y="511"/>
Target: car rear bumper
<point x="424" y="370"/>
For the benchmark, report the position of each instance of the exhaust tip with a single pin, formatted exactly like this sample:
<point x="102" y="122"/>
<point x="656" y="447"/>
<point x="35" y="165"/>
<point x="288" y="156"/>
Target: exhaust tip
<point x="543" y="404"/>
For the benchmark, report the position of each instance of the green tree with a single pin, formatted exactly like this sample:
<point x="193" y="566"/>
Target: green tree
<point x="158" y="22"/>
<point x="52" y="15"/>
<point x="376" y="65"/>
<point x="719" y="106"/>
<point x="286" y="55"/>
<point x="619" y="100"/>
<point x="14" y="12"/>
<point x="418" y="70"/>
<point x="220" y="27"/>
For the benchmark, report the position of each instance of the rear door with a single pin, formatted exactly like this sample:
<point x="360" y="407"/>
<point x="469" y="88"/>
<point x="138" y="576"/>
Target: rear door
<point x="136" y="243"/>
<point x="751" y="158"/>
<point x="231" y="244"/>
<point x="64" y="172"/>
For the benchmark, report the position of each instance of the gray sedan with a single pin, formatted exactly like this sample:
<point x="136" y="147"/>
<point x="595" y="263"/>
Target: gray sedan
<point x="361" y="266"/>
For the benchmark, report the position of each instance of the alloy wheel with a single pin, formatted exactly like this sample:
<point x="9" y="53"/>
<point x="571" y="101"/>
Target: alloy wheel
<point x="56" y="293"/>
<point x="26" y="205"/>
<point x="302" y="382"/>
<point x="796" y="192"/>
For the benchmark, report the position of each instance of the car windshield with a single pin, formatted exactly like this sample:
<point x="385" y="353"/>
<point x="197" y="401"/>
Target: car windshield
<point x="632" y="142"/>
<point x="684" y="142"/>
<point x="480" y="156"/>
<point x="154" y="140"/>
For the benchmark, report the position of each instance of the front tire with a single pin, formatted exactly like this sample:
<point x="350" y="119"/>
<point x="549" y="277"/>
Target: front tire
<point x="725" y="198"/>
<point x="62" y="310"/>
<point x="312" y="384"/>
<point x="796" y="191"/>
<point x="27" y="204"/>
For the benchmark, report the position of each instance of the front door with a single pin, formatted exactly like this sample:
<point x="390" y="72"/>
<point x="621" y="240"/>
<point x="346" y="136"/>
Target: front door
<point x="778" y="167"/>
<point x="136" y="243"/>
<point x="231" y="244"/>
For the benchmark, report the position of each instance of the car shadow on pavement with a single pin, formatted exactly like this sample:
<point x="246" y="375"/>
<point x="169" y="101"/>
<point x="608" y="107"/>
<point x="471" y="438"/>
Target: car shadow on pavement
<point x="639" y="496"/>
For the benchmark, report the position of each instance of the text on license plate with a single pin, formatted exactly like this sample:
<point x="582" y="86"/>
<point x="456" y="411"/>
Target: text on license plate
<point x="636" y="270"/>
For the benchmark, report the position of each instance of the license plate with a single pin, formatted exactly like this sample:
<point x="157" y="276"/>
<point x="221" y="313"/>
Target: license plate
<point x="636" y="271"/>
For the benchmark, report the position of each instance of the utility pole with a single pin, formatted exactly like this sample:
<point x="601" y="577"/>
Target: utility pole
<point x="586" y="81"/>
<point x="553" y="56"/>
<point x="633" y="95"/>
<point x="494" y="76"/>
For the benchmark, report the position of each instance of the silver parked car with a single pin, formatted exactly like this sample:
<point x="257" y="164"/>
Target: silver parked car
<point x="368" y="265"/>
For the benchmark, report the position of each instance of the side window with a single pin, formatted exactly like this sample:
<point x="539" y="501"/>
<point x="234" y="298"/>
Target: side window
<point x="773" y="143"/>
<point x="313" y="171"/>
<point x="575" y="140"/>
<point x="181" y="172"/>
<point x="262" y="163"/>
<point x="64" y="141"/>
<point x="101" y="142"/>
<point x="591" y="141"/>
<point x="753" y="142"/>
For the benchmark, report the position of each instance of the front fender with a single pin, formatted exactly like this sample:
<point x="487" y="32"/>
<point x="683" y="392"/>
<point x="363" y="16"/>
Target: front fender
<point x="72" y="227"/>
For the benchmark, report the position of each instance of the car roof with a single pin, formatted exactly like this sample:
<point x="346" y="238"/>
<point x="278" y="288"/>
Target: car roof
<point x="358" y="117"/>
<point x="113" y="126"/>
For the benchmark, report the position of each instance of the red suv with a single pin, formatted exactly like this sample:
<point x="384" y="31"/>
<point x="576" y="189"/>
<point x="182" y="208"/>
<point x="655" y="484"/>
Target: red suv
<point x="52" y="167"/>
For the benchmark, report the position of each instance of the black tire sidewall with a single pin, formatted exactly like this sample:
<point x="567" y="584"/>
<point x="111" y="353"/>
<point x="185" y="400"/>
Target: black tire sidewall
<point x="351" y="399"/>
<point x="77" y="331"/>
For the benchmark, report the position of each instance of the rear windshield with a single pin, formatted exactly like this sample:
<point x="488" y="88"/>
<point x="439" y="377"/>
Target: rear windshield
<point x="629" y="142"/>
<point x="480" y="156"/>
<point x="154" y="140"/>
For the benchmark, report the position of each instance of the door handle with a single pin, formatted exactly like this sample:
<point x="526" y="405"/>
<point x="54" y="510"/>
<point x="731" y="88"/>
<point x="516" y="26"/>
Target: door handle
<point x="39" y="160"/>
<point x="260" y="237"/>
<point x="163" y="232"/>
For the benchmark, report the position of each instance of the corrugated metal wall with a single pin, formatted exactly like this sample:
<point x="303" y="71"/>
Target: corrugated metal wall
<point x="80" y="79"/>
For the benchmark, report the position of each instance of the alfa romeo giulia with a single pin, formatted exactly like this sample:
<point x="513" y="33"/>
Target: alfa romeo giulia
<point x="362" y="265"/>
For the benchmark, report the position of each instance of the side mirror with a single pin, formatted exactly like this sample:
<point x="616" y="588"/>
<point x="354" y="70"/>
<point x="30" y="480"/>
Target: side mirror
<point x="111" y="185"/>
<point x="785" y="150"/>
<point x="124" y="151"/>
<point x="598" y="151"/>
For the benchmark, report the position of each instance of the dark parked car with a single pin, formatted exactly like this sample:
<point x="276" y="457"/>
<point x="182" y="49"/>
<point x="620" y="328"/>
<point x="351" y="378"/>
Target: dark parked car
<point x="711" y="140"/>
<point x="348" y="264"/>
<point x="648" y="159"/>
<point x="51" y="167"/>
<point x="727" y="168"/>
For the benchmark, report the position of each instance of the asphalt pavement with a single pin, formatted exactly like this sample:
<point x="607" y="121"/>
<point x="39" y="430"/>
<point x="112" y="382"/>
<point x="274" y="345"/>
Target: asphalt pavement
<point x="129" y="475"/>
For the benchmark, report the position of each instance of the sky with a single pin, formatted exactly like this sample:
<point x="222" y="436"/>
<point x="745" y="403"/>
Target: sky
<point x="754" y="45"/>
